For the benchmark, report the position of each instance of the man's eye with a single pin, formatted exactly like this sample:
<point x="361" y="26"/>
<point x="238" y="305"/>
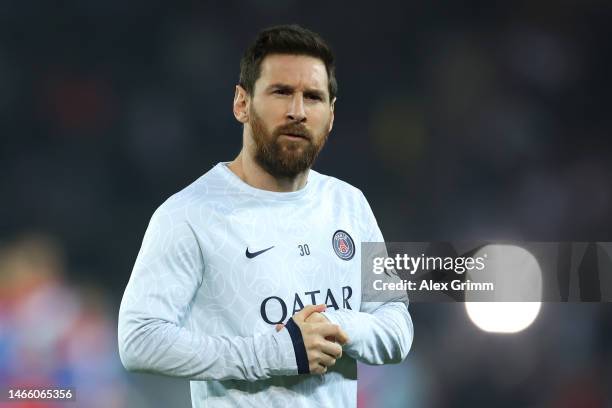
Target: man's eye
<point x="281" y="92"/>
<point x="314" y="97"/>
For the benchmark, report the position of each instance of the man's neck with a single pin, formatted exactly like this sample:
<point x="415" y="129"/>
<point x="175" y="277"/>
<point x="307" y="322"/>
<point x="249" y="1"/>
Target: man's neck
<point x="254" y="175"/>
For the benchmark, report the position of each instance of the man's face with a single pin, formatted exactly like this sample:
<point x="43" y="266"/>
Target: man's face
<point x="290" y="114"/>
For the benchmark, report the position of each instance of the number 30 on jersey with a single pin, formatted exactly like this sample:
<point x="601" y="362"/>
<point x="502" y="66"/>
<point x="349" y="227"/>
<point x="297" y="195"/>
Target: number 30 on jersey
<point x="304" y="250"/>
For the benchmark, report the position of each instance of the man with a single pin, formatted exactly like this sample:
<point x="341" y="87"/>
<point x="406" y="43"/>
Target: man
<point x="248" y="280"/>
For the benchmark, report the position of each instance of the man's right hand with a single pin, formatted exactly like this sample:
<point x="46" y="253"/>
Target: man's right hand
<point x="321" y="352"/>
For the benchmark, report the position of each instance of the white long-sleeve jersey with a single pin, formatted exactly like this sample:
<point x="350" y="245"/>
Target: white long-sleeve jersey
<point x="222" y="262"/>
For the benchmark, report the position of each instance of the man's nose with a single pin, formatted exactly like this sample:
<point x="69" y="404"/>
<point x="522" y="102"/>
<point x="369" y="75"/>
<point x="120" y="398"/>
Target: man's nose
<point x="296" y="110"/>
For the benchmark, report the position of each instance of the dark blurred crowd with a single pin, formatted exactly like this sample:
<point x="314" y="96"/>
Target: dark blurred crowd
<point x="458" y="120"/>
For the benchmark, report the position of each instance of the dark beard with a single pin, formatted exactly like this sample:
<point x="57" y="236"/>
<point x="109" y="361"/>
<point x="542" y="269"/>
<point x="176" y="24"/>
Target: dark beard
<point x="280" y="158"/>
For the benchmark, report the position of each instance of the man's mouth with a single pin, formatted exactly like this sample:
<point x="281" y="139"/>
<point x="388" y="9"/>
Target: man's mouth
<point x="295" y="136"/>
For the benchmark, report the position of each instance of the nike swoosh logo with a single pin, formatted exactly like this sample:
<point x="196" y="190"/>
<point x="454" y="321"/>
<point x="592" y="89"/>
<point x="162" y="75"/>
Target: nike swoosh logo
<point x="254" y="254"/>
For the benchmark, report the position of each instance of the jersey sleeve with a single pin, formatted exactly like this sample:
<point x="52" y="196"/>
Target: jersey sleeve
<point x="380" y="332"/>
<point x="168" y="271"/>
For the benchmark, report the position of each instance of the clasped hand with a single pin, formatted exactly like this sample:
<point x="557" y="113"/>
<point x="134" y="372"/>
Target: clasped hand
<point x="323" y="340"/>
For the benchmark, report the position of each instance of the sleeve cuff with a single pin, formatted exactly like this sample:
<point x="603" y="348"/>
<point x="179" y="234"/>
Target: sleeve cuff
<point x="299" y="349"/>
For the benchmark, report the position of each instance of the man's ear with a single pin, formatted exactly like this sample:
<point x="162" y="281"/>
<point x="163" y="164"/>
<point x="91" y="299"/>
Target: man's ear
<point x="332" y="106"/>
<point x="241" y="104"/>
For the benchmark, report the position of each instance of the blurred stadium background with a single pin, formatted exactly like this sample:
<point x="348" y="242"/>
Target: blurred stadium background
<point x="459" y="120"/>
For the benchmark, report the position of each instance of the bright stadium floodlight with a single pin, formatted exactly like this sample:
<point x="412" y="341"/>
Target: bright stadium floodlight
<point x="517" y="276"/>
<point x="502" y="317"/>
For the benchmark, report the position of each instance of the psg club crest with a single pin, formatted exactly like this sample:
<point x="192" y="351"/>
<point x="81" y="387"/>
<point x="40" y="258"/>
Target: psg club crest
<point x="343" y="245"/>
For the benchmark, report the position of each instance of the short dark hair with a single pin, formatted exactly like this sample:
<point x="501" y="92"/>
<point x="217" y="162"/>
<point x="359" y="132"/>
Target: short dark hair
<point x="286" y="39"/>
